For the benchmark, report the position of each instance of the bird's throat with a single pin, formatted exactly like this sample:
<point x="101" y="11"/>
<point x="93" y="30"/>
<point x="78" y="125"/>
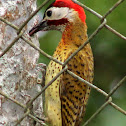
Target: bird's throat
<point x="75" y="34"/>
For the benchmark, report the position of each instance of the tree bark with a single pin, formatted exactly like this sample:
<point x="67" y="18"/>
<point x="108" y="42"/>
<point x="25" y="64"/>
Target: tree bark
<point x="18" y="67"/>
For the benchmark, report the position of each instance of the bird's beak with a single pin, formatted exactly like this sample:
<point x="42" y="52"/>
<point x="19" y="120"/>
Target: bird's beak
<point x="38" y="27"/>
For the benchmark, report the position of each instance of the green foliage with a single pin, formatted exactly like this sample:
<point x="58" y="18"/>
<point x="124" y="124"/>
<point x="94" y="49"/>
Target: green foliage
<point x="109" y="56"/>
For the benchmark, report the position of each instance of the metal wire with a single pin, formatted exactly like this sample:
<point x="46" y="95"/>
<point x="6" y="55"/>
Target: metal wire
<point x="108" y="96"/>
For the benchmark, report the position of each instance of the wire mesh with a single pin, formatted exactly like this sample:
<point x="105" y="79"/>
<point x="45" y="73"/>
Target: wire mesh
<point x="108" y="96"/>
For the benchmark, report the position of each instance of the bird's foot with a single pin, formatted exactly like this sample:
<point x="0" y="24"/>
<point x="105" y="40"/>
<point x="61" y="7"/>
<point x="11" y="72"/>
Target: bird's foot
<point x="42" y="68"/>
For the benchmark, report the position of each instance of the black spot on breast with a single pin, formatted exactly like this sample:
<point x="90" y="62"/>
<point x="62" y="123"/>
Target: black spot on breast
<point x="53" y="71"/>
<point x="68" y="82"/>
<point x="80" y="93"/>
<point x="77" y="72"/>
<point x="75" y="66"/>
<point x="76" y="97"/>
<point x="70" y="92"/>
<point x="82" y="65"/>
<point x="70" y="69"/>
<point x="84" y="90"/>
<point x="77" y="91"/>
<point x="71" y="86"/>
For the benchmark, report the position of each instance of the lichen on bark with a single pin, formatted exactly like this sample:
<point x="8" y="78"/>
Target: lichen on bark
<point x="18" y="67"/>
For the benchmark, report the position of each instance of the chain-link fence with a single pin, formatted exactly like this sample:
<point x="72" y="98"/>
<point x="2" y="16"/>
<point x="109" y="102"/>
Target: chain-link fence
<point x="108" y="96"/>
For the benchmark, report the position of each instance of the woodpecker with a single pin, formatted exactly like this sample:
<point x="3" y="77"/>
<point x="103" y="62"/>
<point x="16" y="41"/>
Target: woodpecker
<point x="66" y="97"/>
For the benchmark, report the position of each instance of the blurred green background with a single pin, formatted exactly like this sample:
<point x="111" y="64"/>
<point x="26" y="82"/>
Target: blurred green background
<point x="109" y="56"/>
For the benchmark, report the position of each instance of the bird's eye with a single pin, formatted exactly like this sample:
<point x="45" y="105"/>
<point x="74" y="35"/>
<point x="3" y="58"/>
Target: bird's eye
<point x="49" y="13"/>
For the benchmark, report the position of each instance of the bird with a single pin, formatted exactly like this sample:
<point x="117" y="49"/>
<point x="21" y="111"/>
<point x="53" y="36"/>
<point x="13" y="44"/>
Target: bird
<point x="66" y="98"/>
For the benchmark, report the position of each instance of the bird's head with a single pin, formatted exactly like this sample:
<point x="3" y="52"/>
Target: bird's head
<point x="58" y="15"/>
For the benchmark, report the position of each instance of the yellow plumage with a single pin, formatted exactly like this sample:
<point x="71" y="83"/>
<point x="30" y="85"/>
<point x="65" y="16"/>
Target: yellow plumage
<point x="67" y="97"/>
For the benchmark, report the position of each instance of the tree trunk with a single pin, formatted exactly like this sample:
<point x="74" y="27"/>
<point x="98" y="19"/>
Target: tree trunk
<point x="18" y="68"/>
